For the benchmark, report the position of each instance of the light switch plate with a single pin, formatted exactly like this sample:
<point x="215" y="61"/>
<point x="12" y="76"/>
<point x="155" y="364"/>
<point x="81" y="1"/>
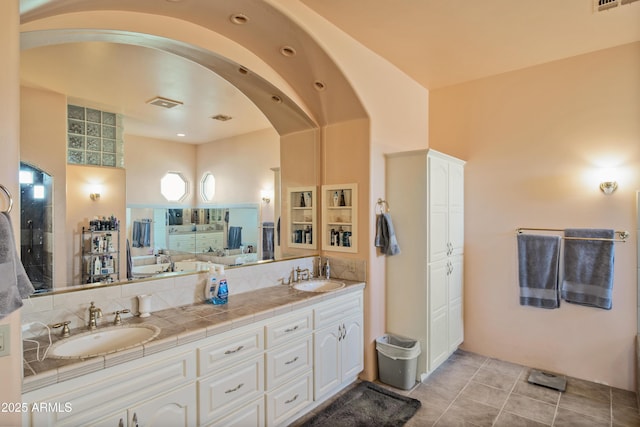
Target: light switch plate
<point x="4" y="340"/>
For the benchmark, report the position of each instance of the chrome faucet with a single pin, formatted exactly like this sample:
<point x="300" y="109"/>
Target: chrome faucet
<point x="94" y="314"/>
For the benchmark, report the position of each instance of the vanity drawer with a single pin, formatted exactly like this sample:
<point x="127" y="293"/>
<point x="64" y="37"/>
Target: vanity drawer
<point x="337" y="309"/>
<point x="284" y="402"/>
<point x="223" y="353"/>
<point x="289" y="328"/>
<point x="229" y="389"/>
<point x="251" y="414"/>
<point x="288" y="361"/>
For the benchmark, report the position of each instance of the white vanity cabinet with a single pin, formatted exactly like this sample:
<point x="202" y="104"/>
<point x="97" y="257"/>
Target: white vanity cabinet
<point x="260" y="374"/>
<point x="230" y="374"/>
<point x="338" y="344"/>
<point x="105" y="397"/>
<point x="289" y="360"/>
<point x="425" y="193"/>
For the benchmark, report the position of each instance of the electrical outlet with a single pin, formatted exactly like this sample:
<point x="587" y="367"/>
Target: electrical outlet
<point x="4" y="340"/>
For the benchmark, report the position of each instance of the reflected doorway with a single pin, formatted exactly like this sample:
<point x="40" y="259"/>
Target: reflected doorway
<point x="36" y="226"/>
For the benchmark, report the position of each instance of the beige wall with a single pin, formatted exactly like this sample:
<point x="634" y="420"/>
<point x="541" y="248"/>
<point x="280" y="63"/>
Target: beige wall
<point x="534" y="140"/>
<point x="43" y="139"/>
<point x="147" y="160"/>
<point x="80" y="180"/>
<point x="11" y="365"/>
<point x="241" y="165"/>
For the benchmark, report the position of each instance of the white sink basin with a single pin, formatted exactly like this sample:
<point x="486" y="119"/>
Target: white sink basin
<point x="103" y="341"/>
<point x="319" y="286"/>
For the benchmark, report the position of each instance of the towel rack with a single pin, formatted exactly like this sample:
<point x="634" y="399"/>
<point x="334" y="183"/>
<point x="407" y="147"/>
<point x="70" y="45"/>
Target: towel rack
<point x="6" y="191"/>
<point x="383" y="205"/>
<point x="623" y="234"/>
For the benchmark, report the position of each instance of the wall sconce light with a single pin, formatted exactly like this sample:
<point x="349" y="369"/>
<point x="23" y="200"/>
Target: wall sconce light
<point x="608" y="187"/>
<point x="95" y="190"/>
<point x="266" y="196"/>
<point x="95" y="196"/>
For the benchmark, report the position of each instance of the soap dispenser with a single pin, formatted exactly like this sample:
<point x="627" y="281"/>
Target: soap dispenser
<point x="327" y="270"/>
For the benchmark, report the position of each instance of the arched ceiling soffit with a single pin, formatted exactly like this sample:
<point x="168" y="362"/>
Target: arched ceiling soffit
<point x="283" y="113"/>
<point x="308" y="70"/>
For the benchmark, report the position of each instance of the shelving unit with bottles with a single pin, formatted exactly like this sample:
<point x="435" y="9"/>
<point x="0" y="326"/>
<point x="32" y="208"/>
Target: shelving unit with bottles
<point x="340" y="217"/>
<point x="302" y="217"/>
<point x="100" y="254"/>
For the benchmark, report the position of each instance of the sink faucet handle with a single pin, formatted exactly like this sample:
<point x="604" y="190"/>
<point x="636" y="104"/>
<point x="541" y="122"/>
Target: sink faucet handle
<point x="118" y="320"/>
<point x="65" y="328"/>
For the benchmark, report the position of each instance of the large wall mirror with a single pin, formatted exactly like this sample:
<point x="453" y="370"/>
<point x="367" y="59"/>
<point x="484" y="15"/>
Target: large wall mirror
<point x="229" y="149"/>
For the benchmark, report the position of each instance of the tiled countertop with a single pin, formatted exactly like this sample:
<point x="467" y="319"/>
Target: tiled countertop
<point x="178" y="326"/>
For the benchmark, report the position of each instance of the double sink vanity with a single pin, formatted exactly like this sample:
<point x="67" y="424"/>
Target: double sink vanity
<point x="266" y="358"/>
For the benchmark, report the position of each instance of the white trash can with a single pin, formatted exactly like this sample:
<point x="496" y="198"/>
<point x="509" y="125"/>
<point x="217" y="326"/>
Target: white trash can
<point x="397" y="360"/>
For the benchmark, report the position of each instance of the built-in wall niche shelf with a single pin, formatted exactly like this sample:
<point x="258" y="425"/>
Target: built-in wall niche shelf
<point x="302" y="217"/>
<point x="340" y="217"/>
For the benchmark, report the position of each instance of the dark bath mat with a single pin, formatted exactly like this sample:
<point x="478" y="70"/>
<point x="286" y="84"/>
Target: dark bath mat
<point x="366" y="405"/>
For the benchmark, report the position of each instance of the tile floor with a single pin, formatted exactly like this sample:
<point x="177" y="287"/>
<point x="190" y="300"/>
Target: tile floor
<point x="473" y="390"/>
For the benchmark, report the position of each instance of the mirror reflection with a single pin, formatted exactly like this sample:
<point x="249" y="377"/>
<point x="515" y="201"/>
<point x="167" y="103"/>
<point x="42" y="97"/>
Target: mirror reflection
<point x="225" y="165"/>
<point x="166" y="240"/>
<point x="36" y="226"/>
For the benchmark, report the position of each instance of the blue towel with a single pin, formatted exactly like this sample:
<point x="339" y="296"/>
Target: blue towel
<point x="235" y="237"/>
<point x="538" y="266"/>
<point x="588" y="268"/>
<point x="386" y="235"/>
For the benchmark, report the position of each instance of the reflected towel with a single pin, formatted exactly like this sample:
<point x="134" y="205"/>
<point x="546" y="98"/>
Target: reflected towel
<point x="14" y="282"/>
<point x="538" y="265"/>
<point x="588" y="268"/>
<point x="386" y="235"/>
<point x="235" y="237"/>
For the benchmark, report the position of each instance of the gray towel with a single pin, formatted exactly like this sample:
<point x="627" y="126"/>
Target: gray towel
<point x="386" y="236"/>
<point x="538" y="262"/>
<point x="588" y="268"/>
<point x="14" y="282"/>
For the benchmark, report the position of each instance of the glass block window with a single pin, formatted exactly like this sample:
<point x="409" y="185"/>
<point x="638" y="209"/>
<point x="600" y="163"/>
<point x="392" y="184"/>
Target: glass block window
<point x="94" y="137"/>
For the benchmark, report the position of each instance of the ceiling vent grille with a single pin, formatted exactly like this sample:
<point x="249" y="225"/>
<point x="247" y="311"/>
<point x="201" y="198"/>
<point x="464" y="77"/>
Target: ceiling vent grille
<point x="159" y="101"/>
<point x="221" y="117"/>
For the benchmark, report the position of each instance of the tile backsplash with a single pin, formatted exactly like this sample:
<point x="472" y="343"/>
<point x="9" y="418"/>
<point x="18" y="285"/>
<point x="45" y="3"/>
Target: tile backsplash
<point x="167" y="292"/>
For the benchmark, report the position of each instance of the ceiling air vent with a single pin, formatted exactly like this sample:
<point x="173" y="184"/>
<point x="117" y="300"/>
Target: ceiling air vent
<point x="600" y="5"/>
<point x="221" y="117"/>
<point x="159" y="101"/>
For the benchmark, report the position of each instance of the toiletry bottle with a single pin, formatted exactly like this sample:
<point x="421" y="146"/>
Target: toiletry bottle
<point x="327" y="270"/>
<point x="97" y="266"/>
<point x="211" y="286"/>
<point x="302" y="205"/>
<point x="342" y="200"/>
<point x="221" y="295"/>
<point x="335" y="198"/>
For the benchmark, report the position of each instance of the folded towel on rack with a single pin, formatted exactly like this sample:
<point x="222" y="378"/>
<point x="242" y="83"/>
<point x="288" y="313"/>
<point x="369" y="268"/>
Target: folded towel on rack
<point x="386" y="236"/>
<point x="588" y="268"/>
<point x="14" y="282"/>
<point x="538" y="265"/>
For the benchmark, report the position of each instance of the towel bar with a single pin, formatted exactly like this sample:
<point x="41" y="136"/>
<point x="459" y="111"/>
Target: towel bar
<point x="623" y="234"/>
<point x="6" y="191"/>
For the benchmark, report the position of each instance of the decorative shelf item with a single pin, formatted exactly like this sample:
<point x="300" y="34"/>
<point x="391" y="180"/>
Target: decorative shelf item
<point x="340" y="217"/>
<point x="302" y="217"/>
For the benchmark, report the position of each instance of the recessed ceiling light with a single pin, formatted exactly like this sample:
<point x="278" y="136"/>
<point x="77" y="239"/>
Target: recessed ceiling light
<point x="319" y="85"/>
<point x="239" y="18"/>
<point x="243" y="70"/>
<point x="221" y="117"/>
<point x="276" y="99"/>
<point x="159" y="101"/>
<point x="288" y="51"/>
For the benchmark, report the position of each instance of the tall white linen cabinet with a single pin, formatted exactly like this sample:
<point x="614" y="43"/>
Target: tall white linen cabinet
<point x="425" y="196"/>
